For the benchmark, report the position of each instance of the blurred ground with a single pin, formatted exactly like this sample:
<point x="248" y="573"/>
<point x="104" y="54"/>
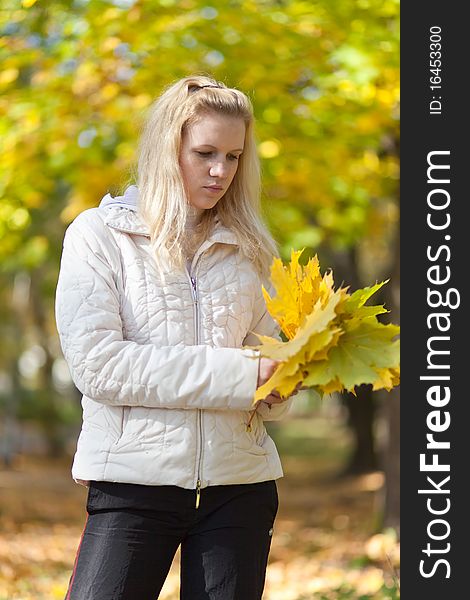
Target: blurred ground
<point x="325" y="544"/>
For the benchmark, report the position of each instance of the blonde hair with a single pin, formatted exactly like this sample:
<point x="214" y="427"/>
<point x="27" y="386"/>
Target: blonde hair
<point x="162" y="199"/>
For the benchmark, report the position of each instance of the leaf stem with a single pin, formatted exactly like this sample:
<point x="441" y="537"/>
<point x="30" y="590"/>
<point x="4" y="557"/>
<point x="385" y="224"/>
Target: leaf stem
<point x="248" y="425"/>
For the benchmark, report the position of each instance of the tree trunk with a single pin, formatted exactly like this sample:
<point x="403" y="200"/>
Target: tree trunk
<point x="391" y="461"/>
<point x="46" y="395"/>
<point x="391" y="412"/>
<point x="361" y="409"/>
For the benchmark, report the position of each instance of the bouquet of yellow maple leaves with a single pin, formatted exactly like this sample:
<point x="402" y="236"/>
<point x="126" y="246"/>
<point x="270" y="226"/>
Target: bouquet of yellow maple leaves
<point x="334" y="341"/>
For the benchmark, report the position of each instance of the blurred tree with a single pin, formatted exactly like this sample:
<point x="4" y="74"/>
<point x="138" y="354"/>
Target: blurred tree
<point x="78" y="75"/>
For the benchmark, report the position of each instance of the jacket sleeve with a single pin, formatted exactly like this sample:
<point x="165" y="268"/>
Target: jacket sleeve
<point x="111" y="370"/>
<point x="264" y="324"/>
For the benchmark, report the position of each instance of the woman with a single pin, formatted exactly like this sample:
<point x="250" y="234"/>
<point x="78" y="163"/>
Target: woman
<point x="159" y="291"/>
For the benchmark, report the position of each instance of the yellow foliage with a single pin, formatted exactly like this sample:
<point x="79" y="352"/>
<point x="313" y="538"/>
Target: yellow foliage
<point x="110" y="43"/>
<point x="269" y="148"/>
<point x="109" y="91"/>
<point x="9" y="75"/>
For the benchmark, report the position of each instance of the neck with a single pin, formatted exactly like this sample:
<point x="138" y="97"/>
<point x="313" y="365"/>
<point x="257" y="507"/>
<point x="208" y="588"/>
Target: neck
<point x="193" y="217"/>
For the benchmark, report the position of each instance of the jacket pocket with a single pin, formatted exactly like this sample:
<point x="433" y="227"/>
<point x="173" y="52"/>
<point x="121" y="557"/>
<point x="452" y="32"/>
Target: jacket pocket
<point x="251" y="439"/>
<point x="258" y="430"/>
<point x="259" y="435"/>
<point x="124" y="420"/>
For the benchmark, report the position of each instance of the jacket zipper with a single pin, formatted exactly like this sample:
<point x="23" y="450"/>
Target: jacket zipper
<point x="199" y="412"/>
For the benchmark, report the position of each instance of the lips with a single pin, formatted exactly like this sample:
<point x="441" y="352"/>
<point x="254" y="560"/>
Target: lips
<point x="216" y="188"/>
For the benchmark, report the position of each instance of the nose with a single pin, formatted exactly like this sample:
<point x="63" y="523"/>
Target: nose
<point x="219" y="169"/>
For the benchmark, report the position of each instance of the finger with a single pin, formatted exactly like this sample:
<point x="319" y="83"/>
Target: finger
<point x="274" y="393"/>
<point x="274" y="399"/>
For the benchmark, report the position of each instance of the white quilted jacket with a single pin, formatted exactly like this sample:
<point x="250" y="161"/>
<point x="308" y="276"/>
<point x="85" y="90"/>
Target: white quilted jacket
<point x="167" y="387"/>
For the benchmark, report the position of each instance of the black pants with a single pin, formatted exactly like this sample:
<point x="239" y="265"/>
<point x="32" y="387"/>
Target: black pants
<point x="132" y="533"/>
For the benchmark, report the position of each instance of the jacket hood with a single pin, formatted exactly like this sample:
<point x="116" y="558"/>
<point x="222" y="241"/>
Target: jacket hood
<point x="130" y="220"/>
<point x="128" y="200"/>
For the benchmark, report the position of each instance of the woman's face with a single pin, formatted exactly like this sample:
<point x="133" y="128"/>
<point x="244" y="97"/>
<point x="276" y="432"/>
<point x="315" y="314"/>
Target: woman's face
<point x="210" y="148"/>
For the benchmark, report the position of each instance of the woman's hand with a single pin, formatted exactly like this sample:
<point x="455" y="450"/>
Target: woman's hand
<point x="266" y="368"/>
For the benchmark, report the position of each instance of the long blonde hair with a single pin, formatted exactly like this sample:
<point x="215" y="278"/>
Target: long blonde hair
<point x="162" y="200"/>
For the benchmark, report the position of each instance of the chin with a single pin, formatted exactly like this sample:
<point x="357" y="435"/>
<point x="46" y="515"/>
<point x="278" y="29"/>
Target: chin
<point x="205" y="203"/>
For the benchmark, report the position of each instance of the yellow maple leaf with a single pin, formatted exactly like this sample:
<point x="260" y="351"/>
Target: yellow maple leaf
<point x="387" y="379"/>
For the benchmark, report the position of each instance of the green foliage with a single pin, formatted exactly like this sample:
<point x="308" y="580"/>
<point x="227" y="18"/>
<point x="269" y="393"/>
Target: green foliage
<point x="78" y="76"/>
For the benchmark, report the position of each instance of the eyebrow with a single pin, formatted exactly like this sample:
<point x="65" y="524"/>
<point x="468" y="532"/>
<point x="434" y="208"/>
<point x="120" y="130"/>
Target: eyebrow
<point x="215" y="148"/>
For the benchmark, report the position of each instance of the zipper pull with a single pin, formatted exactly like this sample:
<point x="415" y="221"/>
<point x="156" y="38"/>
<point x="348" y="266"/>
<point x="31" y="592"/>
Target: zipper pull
<point x="193" y="285"/>
<point x="198" y="493"/>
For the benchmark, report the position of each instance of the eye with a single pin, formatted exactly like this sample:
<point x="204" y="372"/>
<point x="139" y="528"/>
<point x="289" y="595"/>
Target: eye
<point x="203" y="153"/>
<point x="233" y="157"/>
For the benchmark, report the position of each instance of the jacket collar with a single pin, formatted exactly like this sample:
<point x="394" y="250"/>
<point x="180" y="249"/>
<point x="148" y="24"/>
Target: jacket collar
<point x="128" y="220"/>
